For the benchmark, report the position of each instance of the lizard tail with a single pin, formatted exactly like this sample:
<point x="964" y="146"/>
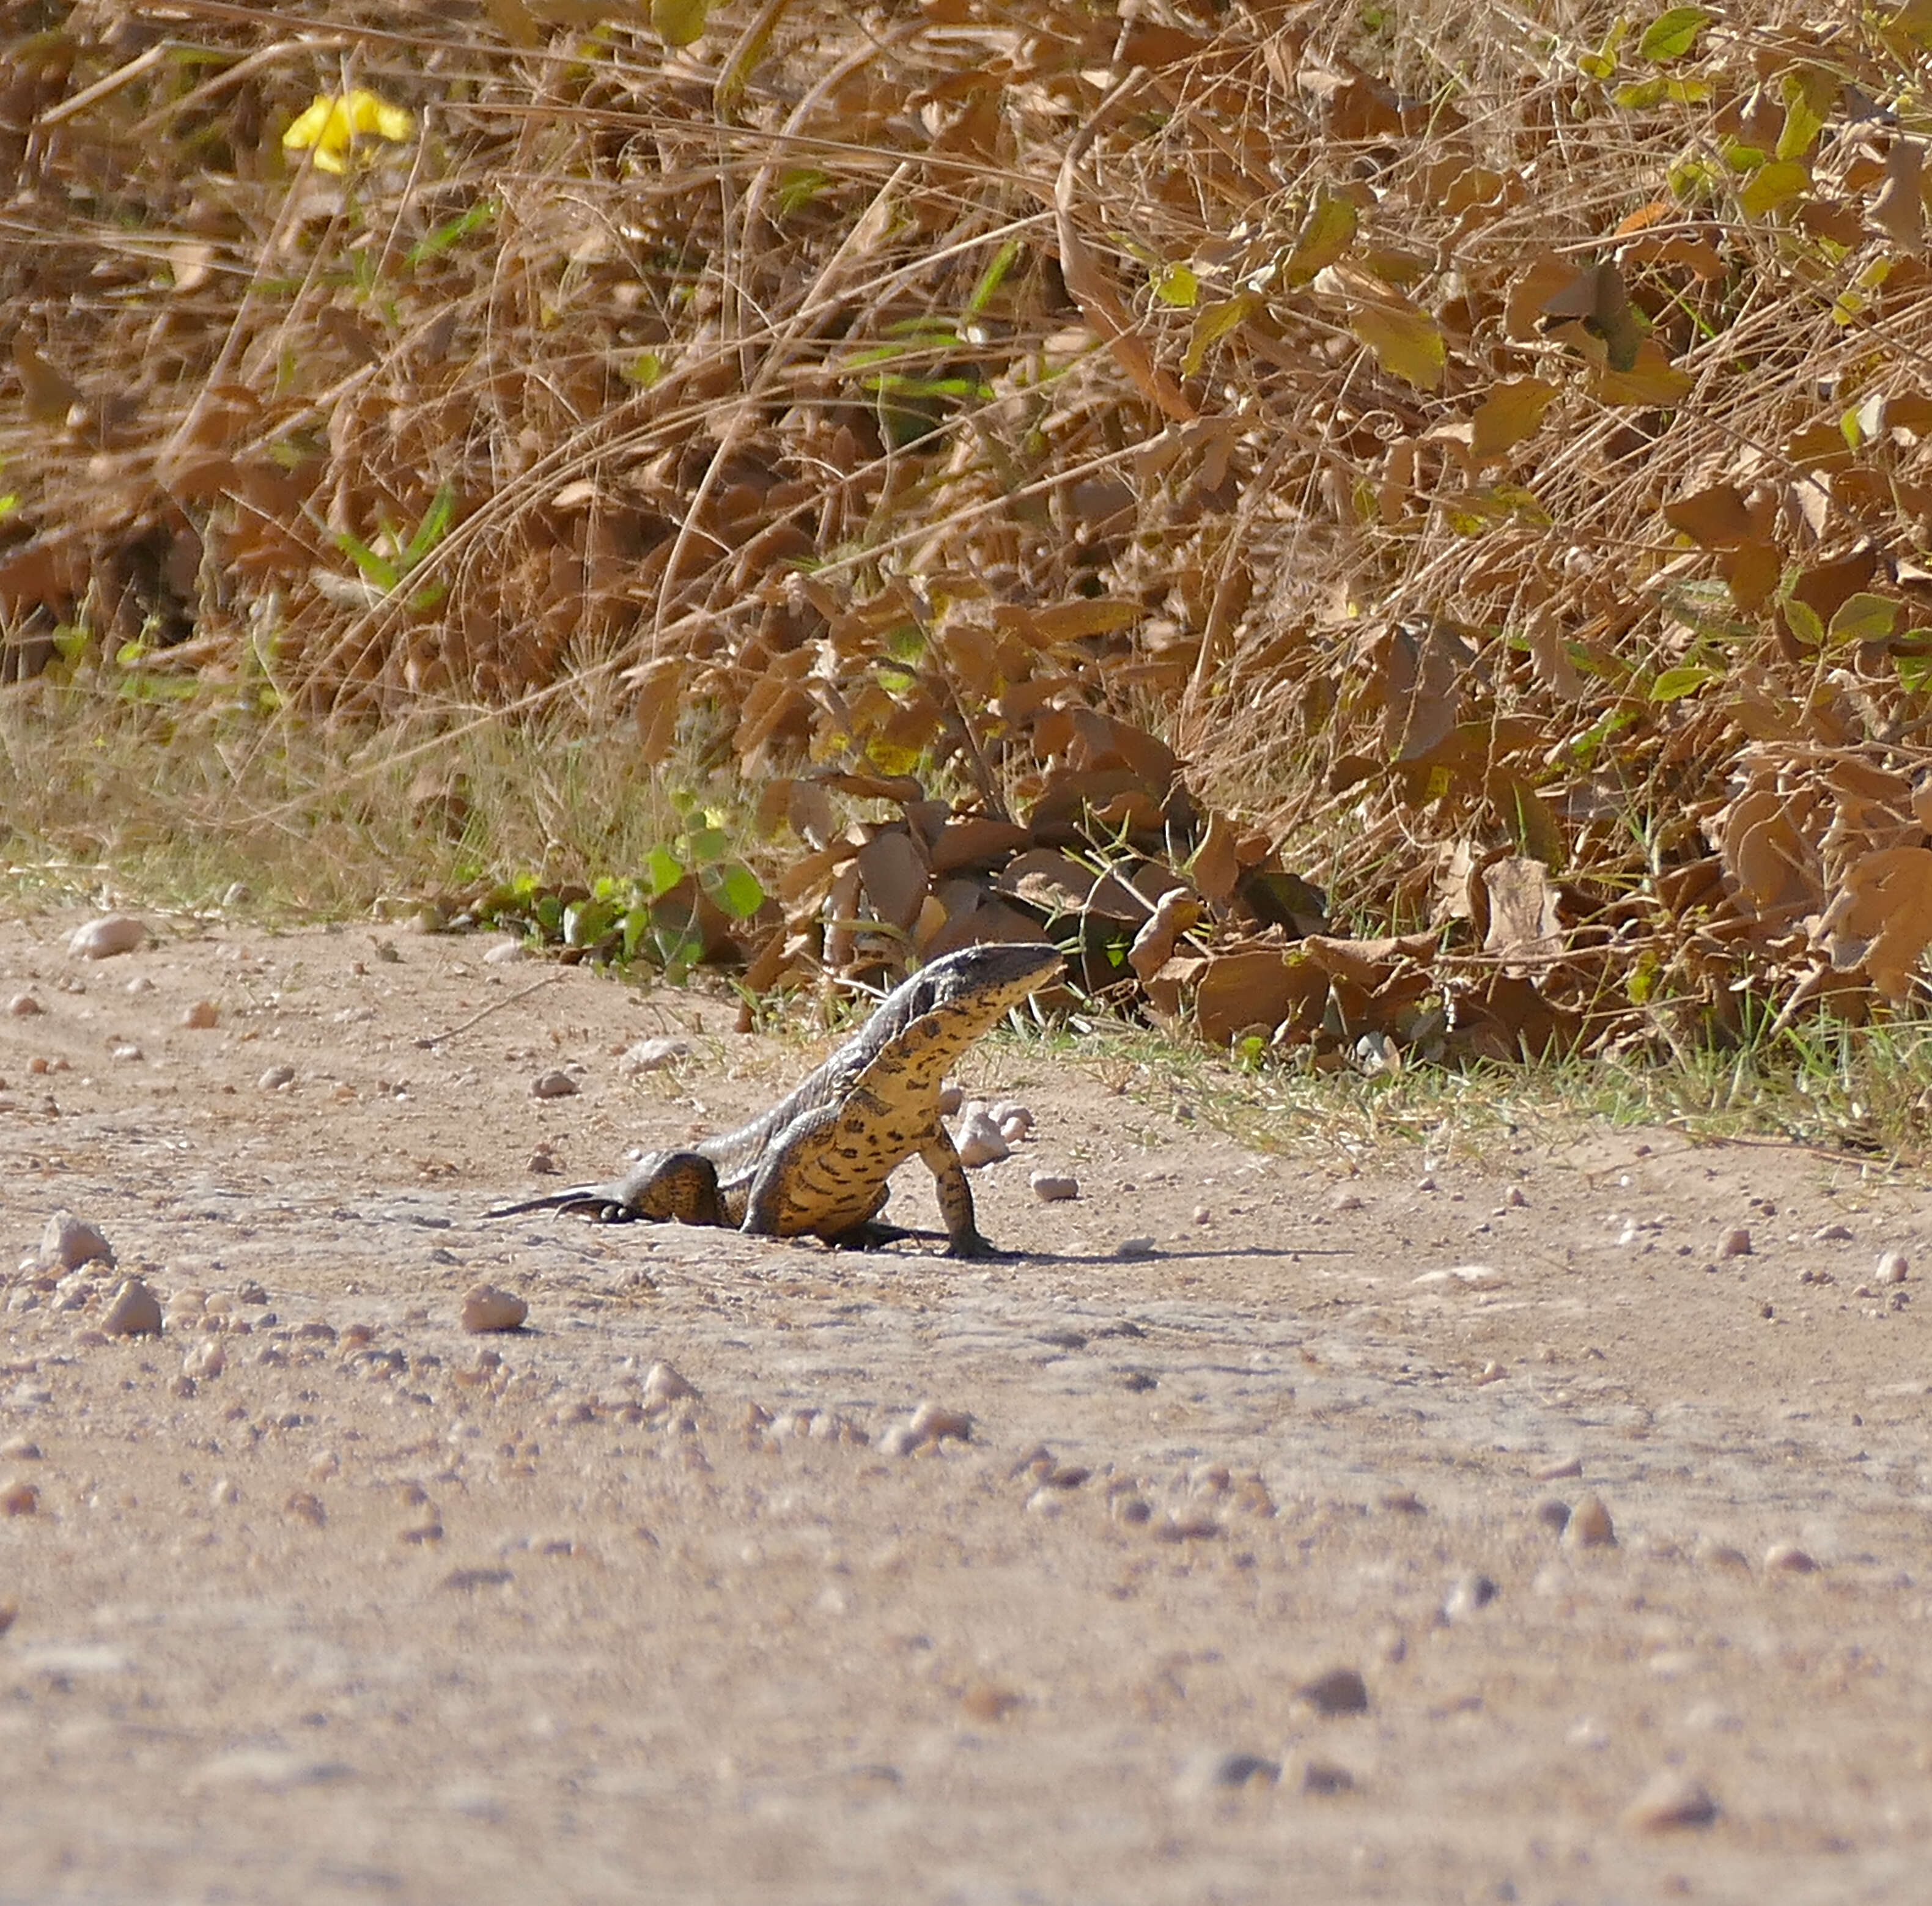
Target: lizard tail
<point x="600" y="1201"/>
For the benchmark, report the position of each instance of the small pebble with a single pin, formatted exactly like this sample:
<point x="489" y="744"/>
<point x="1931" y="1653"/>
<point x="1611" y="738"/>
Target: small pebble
<point x="979" y="1140"/>
<point x="1471" y="1593"/>
<point x="1055" y="1187"/>
<point x="1831" y="1234"/>
<point x="505" y="952"/>
<point x="201" y="1016"/>
<point x="19" y="1498"/>
<point x="554" y="1084"/>
<point x="1137" y="1247"/>
<point x="663" y="1386"/>
<point x="986" y="1701"/>
<point x="1341" y="1200"/>
<point x="487" y="1308"/>
<point x="1340" y="1691"/>
<point x="1590" y="1525"/>
<point x="950" y="1100"/>
<point x="1553" y="1513"/>
<point x="1893" y="1268"/>
<point x="20" y="1449"/>
<point x="224" y="1492"/>
<point x="1736" y="1242"/>
<point x="135" y="1311"/>
<point x="1491" y="1373"/>
<point x="1715" y="1554"/>
<point x="126" y="1054"/>
<point x="1671" y="1801"/>
<point x="1514" y="1198"/>
<point x="653" y="1056"/>
<point x="24" y="1005"/>
<point x="70" y="1242"/>
<point x="932" y="1423"/>
<point x="1789" y="1558"/>
<point x="1556" y="1472"/>
<point x="205" y="1360"/>
<point x="112" y="934"/>
<point x="1218" y="1772"/>
<point x="237" y="893"/>
<point x="276" y="1078"/>
<point x="1325" y="1777"/>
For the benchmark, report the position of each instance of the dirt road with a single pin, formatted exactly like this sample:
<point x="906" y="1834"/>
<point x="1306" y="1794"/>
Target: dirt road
<point x="1458" y="1528"/>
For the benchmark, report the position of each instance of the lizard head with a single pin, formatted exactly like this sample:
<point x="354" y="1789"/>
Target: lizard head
<point x="979" y="985"/>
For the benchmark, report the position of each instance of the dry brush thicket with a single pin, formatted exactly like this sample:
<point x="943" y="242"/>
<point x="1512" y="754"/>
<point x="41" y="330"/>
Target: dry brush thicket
<point x="1232" y="474"/>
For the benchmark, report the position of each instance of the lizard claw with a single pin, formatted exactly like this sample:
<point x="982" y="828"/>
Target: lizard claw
<point x="973" y="1245"/>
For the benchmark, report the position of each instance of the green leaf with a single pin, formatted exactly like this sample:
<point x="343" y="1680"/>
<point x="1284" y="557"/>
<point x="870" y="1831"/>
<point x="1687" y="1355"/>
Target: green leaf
<point x="453" y="231"/>
<point x="733" y="887"/>
<point x="1406" y="340"/>
<point x="799" y="186"/>
<point x="992" y="277"/>
<point x="662" y="871"/>
<point x="678" y="22"/>
<point x="1212" y="323"/>
<point x="1177" y="285"/>
<point x="1809" y="92"/>
<point x="1915" y="672"/>
<point x="430" y="532"/>
<point x="706" y="844"/>
<point x="1672" y="34"/>
<point x="1328" y="231"/>
<point x="1601" y="63"/>
<point x="1864" y="618"/>
<point x="1803" y="620"/>
<point x="1674" y="684"/>
<point x="586" y="921"/>
<point x="378" y="568"/>
<point x="1773" y="185"/>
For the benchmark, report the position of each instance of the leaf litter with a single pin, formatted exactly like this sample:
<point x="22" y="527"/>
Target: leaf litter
<point x="1374" y="562"/>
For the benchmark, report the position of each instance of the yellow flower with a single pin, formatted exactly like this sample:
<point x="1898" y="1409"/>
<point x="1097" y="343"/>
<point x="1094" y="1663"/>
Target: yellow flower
<point x="331" y="124"/>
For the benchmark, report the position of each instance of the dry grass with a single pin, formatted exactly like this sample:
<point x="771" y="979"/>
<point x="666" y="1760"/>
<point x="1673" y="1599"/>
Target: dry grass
<point x="1449" y="430"/>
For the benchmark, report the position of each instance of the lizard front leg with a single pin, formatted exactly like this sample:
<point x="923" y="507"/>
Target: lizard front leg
<point x="940" y="1157"/>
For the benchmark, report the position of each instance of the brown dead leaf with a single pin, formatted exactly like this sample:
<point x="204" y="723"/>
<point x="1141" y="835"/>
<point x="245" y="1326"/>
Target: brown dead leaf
<point x="976" y="841"/>
<point x="1549" y="656"/>
<point x="1881" y="918"/>
<point x="660" y="702"/>
<point x="1426" y="661"/>
<point x="1899" y="208"/>
<point x="1523" y="921"/>
<point x="1762" y="849"/>
<point x="1512" y="411"/>
<point x="1152" y="947"/>
<point x="892" y="872"/>
<point x="1753" y="572"/>
<point x="1216" y="866"/>
<point x="1237" y="991"/>
<point x="1715" y="519"/>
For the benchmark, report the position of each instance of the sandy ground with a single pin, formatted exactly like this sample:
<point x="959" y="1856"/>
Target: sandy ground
<point x="319" y="1599"/>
